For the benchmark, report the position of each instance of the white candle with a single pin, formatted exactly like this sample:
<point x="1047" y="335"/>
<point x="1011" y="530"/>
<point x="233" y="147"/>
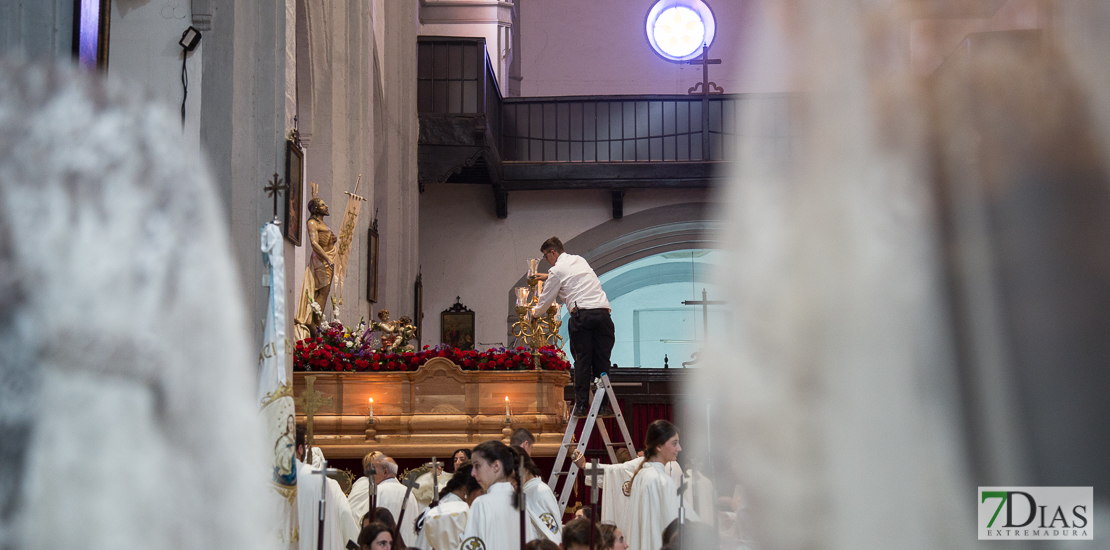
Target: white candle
<point x="507" y="411"/>
<point x="371" y="408"/>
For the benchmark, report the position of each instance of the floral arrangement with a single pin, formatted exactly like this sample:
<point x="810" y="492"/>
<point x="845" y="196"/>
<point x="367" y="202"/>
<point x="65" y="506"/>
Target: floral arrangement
<point x="336" y="348"/>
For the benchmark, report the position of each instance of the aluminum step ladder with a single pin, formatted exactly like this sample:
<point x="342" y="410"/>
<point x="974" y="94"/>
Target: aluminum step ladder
<point x="603" y="387"/>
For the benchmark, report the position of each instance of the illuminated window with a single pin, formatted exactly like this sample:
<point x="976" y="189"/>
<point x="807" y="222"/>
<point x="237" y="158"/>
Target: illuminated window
<point x="677" y="29"/>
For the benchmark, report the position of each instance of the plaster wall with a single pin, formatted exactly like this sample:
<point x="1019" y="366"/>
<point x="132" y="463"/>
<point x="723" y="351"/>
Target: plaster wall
<point x="466" y="251"/>
<point x="335" y="79"/>
<point x="396" y="191"/>
<point x="244" y="123"/>
<point x="42" y="29"/>
<point x="596" y="47"/>
<point x="144" y="51"/>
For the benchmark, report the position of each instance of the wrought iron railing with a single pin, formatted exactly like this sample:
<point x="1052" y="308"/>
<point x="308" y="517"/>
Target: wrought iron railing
<point x="455" y="77"/>
<point x="643" y="128"/>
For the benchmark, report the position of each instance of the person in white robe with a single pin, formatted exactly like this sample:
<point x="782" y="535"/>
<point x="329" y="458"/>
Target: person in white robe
<point x="339" y="524"/>
<point x="654" y="494"/>
<point x="539" y="500"/>
<point x="442" y="526"/>
<point x="615" y="504"/>
<point x="391" y="495"/>
<point x="359" y="496"/>
<point x="494" y="521"/>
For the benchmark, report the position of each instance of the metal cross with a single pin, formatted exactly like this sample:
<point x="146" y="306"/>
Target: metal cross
<point x="276" y="186"/>
<point x="707" y="87"/>
<point x="594" y="469"/>
<point x="704" y="303"/>
<point x="311" y="401"/>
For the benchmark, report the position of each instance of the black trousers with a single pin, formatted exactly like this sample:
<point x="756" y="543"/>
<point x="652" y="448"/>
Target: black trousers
<point x="591" y="344"/>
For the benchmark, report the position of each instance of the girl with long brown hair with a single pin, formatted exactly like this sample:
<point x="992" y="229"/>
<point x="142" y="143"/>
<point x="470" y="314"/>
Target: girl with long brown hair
<point x="654" y="494"/>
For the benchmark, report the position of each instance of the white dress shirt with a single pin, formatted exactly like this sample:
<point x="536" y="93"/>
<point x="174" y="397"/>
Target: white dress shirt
<point x="574" y="282"/>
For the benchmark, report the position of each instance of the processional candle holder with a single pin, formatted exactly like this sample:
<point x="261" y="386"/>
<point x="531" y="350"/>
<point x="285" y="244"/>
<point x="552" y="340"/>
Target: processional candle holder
<point x="535" y="333"/>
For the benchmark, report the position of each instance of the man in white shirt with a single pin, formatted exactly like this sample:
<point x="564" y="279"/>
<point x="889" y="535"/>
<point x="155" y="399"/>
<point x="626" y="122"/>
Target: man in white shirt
<point x="591" y="329"/>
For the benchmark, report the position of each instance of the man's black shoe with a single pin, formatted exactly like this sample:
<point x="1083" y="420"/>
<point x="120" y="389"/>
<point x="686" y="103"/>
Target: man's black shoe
<point x="606" y="412"/>
<point x="580" y="411"/>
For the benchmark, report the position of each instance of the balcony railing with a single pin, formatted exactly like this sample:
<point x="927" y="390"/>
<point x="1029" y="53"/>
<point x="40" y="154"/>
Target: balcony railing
<point x="455" y="77"/>
<point x="642" y="128"/>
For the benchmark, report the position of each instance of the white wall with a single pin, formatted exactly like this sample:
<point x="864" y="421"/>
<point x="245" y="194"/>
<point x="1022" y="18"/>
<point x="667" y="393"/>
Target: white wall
<point x="144" y="50"/>
<point x="590" y="47"/>
<point x="466" y="251"/>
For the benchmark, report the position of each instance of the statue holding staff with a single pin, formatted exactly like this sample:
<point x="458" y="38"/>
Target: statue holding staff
<point x="320" y="272"/>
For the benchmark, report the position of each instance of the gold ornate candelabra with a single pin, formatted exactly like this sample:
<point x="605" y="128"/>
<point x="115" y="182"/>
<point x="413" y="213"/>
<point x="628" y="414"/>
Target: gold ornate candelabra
<point x="535" y="332"/>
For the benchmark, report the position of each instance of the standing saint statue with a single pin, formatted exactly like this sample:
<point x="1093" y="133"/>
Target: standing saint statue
<point x="320" y="272"/>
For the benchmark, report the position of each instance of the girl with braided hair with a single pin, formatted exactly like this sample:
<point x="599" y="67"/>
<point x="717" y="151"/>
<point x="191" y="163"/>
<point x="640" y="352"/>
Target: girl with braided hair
<point x="494" y="521"/>
<point x="654" y="494"/>
<point x="543" y="508"/>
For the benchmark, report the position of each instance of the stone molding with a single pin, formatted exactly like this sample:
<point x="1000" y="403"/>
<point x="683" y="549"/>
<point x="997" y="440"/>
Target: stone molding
<point x="466" y="12"/>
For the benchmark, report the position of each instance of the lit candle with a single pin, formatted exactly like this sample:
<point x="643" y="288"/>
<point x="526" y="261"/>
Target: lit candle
<point x="371" y="408"/>
<point x="533" y="266"/>
<point x="539" y="289"/>
<point x="507" y="411"/>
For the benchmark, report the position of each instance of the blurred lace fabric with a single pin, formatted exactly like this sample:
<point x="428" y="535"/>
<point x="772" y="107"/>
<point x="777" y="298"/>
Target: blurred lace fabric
<point x="922" y="293"/>
<point x="126" y="377"/>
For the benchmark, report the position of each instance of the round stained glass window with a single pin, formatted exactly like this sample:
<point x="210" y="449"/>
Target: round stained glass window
<point x="677" y="29"/>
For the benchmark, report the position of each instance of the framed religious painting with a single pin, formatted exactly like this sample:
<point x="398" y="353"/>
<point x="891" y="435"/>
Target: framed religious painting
<point x="372" y="263"/>
<point x="294" y="176"/>
<point x="456" y="326"/>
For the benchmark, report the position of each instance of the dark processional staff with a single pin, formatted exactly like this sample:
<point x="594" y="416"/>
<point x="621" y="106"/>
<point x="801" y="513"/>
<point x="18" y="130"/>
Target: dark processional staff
<point x="324" y="472"/>
<point x="410" y="484"/>
<point x="594" y="468"/>
<point x="520" y="499"/>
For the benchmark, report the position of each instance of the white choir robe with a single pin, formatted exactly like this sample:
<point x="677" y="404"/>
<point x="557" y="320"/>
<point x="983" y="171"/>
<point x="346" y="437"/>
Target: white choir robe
<point x="445" y="524"/>
<point x="390" y="494"/>
<point x="339" y="523"/>
<point x="614" y="504"/>
<point x="652" y="506"/>
<point x="493" y="523"/>
<point x="543" y="509"/>
<point x="359" y="498"/>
